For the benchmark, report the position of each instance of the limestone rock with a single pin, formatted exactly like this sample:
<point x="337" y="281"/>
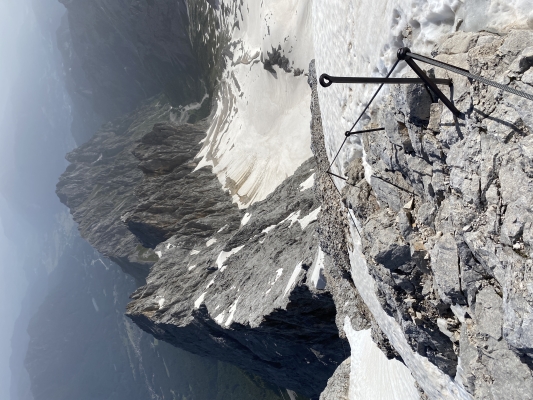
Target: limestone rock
<point x="453" y="270"/>
<point x="339" y="383"/>
<point x="445" y="268"/>
<point x="242" y="289"/>
<point x="98" y="187"/>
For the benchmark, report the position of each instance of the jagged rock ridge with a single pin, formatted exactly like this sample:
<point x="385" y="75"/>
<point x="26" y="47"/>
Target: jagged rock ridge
<point x="172" y="199"/>
<point x="252" y="294"/>
<point x="201" y="295"/>
<point x="98" y="187"/>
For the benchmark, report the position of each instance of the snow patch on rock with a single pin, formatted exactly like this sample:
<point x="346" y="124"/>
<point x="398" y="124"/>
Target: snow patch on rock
<point x="161" y="302"/>
<point x="245" y="219"/>
<point x="317" y="277"/>
<point x="372" y="375"/>
<point x="224" y="255"/>
<point x="308" y="183"/>
<point x="278" y="275"/>
<point x="312" y="216"/>
<point x="199" y="300"/>
<point x="268" y="229"/>
<point x="293" y="278"/>
<point x="232" y="312"/>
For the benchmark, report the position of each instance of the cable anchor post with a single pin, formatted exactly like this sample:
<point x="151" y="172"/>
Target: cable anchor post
<point x="403" y="53"/>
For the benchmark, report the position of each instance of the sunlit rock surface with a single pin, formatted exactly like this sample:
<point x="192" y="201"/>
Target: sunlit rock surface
<point x="441" y="255"/>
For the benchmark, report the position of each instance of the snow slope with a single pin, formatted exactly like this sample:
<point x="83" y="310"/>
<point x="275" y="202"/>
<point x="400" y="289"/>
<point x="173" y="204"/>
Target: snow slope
<point x="372" y="375"/>
<point x="360" y="38"/>
<point x="260" y="132"/>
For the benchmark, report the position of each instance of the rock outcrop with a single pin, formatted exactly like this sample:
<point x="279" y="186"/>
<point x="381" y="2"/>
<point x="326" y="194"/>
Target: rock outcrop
<point x="98" y="187"/>
<point x="445" y="222"/>
<point x="253" y="293"/>
<point x="246" y="288"/>
<point x="172" y="199"/>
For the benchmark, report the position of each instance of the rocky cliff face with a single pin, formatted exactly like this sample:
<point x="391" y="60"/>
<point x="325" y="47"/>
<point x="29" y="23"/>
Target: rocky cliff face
<point x="99" y="183"/>
<point x="443" y="256"/>
<point x="253" y="293"/>
<point x="211" y="259"/>
<point x="171" y="198"/>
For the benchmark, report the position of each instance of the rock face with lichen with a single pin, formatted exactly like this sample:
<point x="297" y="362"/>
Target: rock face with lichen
<point x="445" y="219"/>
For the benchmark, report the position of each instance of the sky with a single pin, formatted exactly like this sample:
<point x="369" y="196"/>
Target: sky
<point x="12" y="281"/>
<point x="11" y="21"/>
<point x="20" y="36"/>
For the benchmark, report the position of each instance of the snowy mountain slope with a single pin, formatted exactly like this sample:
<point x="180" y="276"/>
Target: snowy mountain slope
<point x="259" y="133"/>
<point x="240" y="287"/>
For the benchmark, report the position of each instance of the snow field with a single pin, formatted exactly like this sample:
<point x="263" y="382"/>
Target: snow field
<point x="260" y="132"/>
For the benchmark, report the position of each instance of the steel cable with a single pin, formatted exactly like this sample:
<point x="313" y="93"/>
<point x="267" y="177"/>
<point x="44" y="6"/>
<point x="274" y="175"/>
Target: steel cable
<point x="362" y="113"/>
<point x="464" y="72"/>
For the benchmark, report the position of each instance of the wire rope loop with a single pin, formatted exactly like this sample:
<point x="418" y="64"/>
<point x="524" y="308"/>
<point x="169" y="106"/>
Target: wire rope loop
<point x="325" y="80"/>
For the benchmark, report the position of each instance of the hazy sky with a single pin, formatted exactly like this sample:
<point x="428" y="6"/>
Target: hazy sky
<point x="11" y="21"/>
<point x="15" y="16"/>
<point x="12" y="281"/>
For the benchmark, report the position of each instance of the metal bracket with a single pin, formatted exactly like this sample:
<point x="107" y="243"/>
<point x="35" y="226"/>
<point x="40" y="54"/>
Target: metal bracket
<point x="402" y="54"/>
<point x="326" y="80"/>
<point x="348" y="133"/>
